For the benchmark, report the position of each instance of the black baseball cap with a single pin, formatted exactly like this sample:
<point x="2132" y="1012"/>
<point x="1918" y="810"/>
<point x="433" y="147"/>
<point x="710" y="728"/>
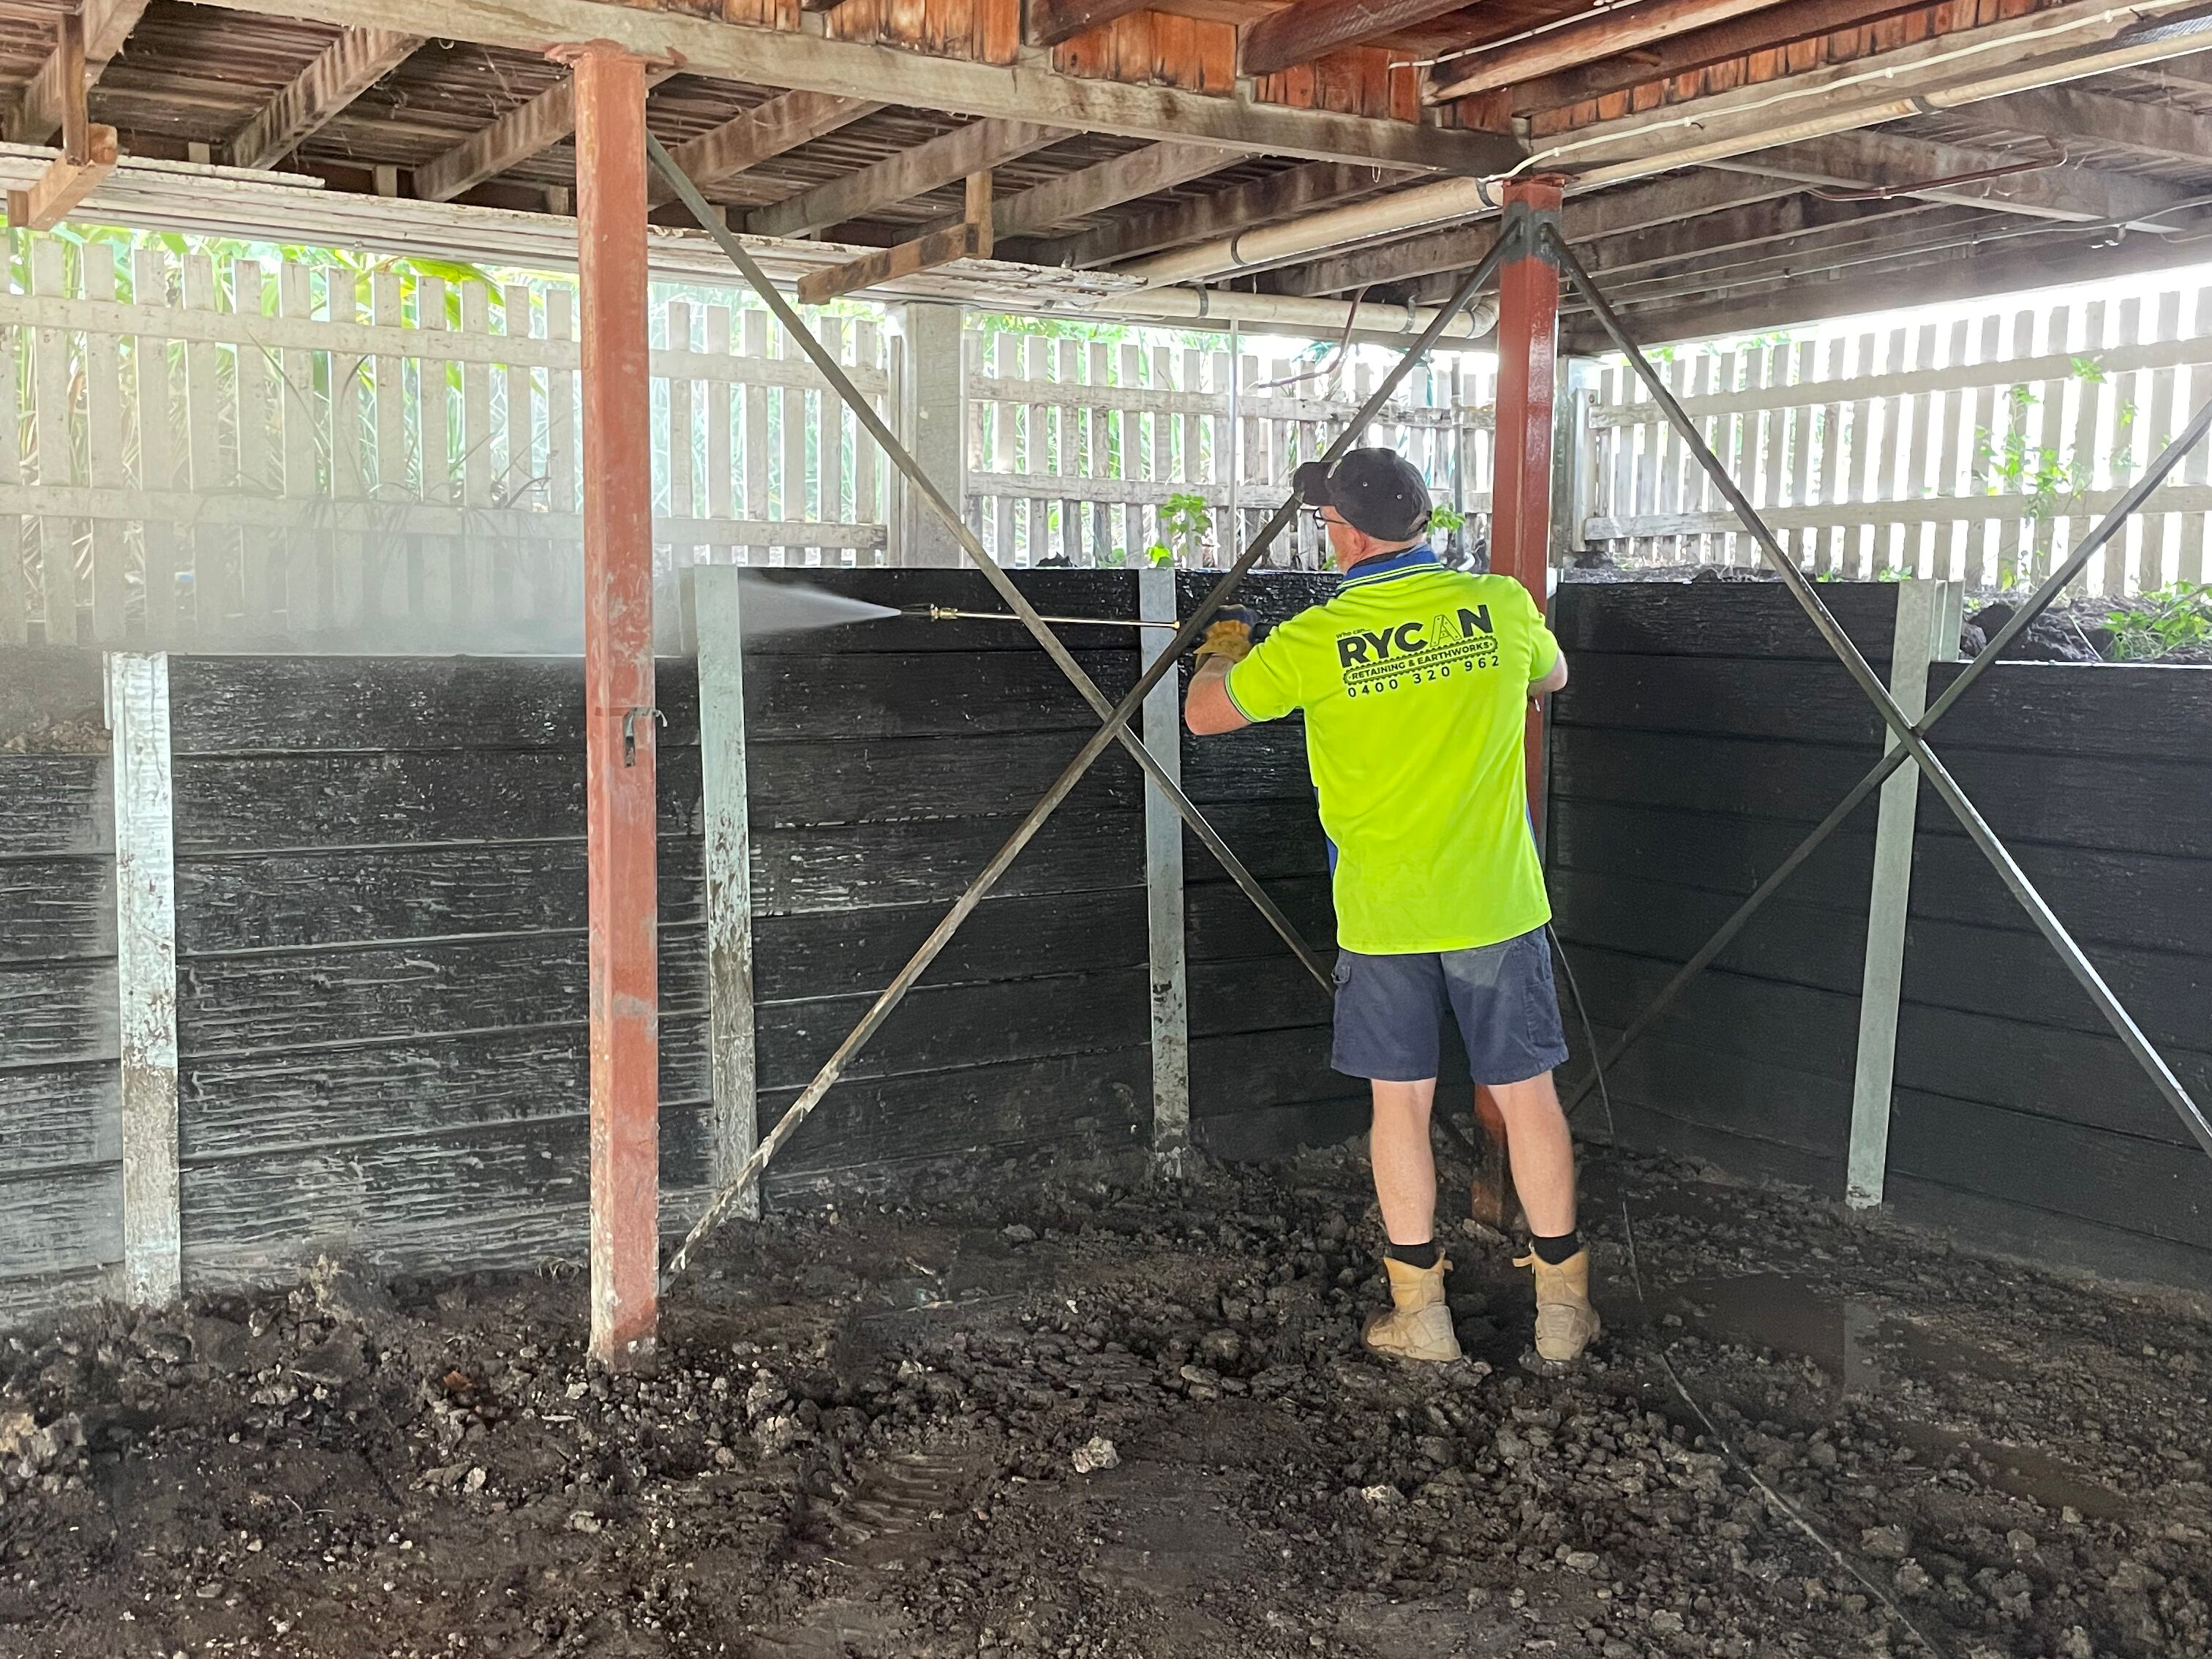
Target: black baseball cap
<point x="1377" y="490"/>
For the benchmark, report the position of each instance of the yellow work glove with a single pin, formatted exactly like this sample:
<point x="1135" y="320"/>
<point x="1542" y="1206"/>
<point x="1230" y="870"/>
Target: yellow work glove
<point x="1228" y="636"/>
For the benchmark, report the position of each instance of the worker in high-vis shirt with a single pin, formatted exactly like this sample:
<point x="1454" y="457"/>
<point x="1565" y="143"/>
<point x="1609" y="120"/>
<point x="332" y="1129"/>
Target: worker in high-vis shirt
<point x="1414" y="680"/>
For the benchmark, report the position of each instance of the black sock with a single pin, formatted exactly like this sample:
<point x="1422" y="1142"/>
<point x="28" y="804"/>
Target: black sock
<point x="1423" y="1256"/>
<point x="1553" y="1251"/>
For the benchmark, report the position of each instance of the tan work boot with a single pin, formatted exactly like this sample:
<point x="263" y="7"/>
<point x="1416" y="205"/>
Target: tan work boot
<point x="1419" y="1325"/>
<point x="1566" y="1322"/>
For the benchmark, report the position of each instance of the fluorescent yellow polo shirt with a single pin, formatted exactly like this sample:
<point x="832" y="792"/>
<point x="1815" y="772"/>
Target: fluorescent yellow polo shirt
<point x="1414" y="680"/>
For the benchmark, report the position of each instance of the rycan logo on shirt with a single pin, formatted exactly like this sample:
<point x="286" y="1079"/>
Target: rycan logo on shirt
<point x="1417" y="652"/>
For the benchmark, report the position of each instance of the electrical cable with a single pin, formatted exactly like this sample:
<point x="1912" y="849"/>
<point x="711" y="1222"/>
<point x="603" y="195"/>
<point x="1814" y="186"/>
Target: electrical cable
<point x="1328" y="365"/>
<point x="1948" y="181"/>
<point x="1775" y="1501"/>
<point x="1535" y="32"/>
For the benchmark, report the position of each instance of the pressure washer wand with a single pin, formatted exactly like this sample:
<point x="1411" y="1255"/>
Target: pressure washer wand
<point x="941" y="613"/>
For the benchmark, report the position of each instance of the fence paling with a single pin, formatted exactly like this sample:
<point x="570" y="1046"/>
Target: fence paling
<point x="53" y="579"/>
<point x="2022" y="365"/>
<point x="75" y="315"/>
<point x="15" y="597"/>
<point x="2190" y="553"/>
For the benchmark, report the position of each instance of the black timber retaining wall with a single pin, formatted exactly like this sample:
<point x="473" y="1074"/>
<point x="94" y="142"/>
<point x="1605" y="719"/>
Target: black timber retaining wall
<point x="2018" y="1117"/>
<point x="888" y="759"/>
<point x="1260" y="1083"/>
<point x="61" y="1179"/>
<point x="381" y="959"/>
<point x="381" y="912"/>
<point x="1045" y="1021"/>
<point x="382" y="953"/>
<point x="1705" y="729"/>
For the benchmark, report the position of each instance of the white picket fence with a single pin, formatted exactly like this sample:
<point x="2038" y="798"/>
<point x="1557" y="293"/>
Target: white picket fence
<point x="1982" y="449"/>
<point x="212" y="452"/>
<point x="1076" y="447"/>
<point x="215" y="453"/>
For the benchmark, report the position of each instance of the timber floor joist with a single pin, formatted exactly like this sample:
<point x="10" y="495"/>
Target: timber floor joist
<point x="1774" y="158"/>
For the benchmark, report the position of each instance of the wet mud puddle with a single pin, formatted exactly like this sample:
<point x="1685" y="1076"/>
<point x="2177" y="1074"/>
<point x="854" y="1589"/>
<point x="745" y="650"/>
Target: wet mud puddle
<point x="1871" y="1355"/>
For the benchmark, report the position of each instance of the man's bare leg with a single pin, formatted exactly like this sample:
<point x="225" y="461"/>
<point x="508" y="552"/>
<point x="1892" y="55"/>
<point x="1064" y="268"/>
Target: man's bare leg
<point x="1405" y="1163"/>
<point x="1541" y="1151"/>
<point x="1418" y="1324"/>
<point x="1543" y="1157"/>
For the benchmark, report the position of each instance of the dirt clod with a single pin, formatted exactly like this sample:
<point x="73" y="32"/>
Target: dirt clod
<point x="1095" y="1454"/>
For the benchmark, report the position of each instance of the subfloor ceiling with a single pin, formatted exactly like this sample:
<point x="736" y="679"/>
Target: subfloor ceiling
<point x="1729" y="163"/>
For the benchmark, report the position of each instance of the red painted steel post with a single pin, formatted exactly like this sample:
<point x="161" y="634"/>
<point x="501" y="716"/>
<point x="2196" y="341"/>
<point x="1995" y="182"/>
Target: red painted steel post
<point x="1528" y="378"/>
<point x="618" y="697"/>
<point x="1521" y="519"/>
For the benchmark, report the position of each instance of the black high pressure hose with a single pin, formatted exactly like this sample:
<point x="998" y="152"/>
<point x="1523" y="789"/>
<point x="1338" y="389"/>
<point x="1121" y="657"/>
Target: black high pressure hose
<point x="1590" y="1034"/>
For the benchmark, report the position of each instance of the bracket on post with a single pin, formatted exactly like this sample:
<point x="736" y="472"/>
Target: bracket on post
<point x="89" y="153"/>
<point x="629" y="731"/>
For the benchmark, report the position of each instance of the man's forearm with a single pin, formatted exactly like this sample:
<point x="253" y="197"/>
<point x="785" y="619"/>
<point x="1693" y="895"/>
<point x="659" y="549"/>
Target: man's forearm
<point x="1207" y="708"/>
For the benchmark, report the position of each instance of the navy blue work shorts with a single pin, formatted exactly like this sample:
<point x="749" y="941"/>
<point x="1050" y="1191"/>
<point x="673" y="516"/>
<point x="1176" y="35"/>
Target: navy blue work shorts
<point x="1390" y="1011"/>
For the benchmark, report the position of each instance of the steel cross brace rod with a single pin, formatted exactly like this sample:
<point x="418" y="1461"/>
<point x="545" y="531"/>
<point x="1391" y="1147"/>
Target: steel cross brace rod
<point x="1911" y="742"/>
<point x="1116" y="716"/>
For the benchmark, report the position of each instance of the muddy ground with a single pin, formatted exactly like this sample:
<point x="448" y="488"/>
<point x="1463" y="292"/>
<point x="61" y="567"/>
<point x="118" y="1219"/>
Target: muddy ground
<point x="885" y="1431"/>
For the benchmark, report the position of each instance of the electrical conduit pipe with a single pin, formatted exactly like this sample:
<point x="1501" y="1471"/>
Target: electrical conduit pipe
<point x="1183" y="305"/>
